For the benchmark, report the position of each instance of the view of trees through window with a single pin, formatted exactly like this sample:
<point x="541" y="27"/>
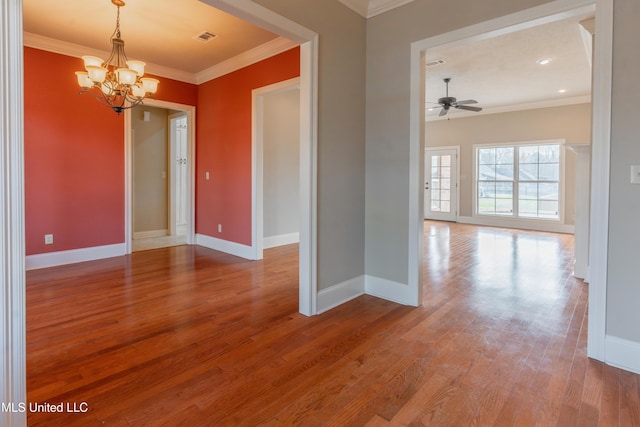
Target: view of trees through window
<point x="520" y="181"/>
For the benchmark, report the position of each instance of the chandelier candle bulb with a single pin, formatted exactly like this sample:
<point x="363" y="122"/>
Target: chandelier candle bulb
<point x="126" y="76"/>
<point x="150" y="85"/>
<point x="83" y="79"/>
<point x="137" y="66"/>
<point x="97" y="74"/>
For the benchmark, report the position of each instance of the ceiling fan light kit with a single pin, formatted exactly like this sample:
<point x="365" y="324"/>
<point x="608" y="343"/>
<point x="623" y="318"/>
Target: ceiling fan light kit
<point x="117" y="83"/>
<point x="447" y="102"/>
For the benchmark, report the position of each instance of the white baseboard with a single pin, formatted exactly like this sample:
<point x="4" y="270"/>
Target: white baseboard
<point x="150" y="234"/>
<point x="340" y="293"/>
<point x="280" y="240"/>
<point x="521" y="224"/>
<point x="623" y="354"/>
<point x="390" y="290"/>
<point x="52" y="259"/>
<point x="232" y="248"/>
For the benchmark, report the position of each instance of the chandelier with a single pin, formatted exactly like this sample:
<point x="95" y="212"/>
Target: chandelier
<point x="117" y="82"/>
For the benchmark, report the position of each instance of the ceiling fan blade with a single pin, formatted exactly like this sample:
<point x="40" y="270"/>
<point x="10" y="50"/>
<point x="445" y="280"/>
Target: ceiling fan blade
<point x="467" y="101"/>
<point x="443" y="112"/>
<point x="465" y="107"/>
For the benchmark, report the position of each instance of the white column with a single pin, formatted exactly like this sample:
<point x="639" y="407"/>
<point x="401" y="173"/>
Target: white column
<point x="12" y="276"/>
<point x="583" y="203"/>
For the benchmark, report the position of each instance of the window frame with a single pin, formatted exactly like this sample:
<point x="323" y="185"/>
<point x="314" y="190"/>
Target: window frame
<point x="515" y="214"/>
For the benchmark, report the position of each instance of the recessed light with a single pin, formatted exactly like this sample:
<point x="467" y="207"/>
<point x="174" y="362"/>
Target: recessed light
<point x="562" y="90"/>
<point x="543" y="61"/>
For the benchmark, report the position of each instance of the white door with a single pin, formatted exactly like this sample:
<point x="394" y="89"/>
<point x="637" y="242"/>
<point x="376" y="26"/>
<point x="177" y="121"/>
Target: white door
<point x="441" y="184"/>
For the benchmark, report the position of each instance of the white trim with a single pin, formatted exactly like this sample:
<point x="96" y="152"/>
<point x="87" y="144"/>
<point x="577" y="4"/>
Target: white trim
<point x="257" y="54"/>
<point x="280" y="240"/>
<point x="400" y="293"/>
<point x="339" y="294"/>
<point x="520" y="224"/>
<point x="190" y="110"/>
<point x="257" y="158"/>
<point x="460" y="114"/>
<point x="150" y="234"/>
<point x="601" y="104"/>
<point x="72" y="256"/>
<point x="371" y="8"/>
<point x="37" y="41"/>
<point x="600" y="158"/>
<point x="231" y="248"/>
<point x="13" y="388"/>
<point x="623" y="354"/>
<point x="308" y="39"/>
<point x="250" y="57"/>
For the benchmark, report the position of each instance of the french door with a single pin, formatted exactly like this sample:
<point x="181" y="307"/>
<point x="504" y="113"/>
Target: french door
<point x="441" y="184"/>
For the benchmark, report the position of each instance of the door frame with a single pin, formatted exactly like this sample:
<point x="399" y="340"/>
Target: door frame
<point x="257" y="159"/>
<point x="455" y="148"/>
<point x="601" y="142"/>
<point x="190" y="110"/>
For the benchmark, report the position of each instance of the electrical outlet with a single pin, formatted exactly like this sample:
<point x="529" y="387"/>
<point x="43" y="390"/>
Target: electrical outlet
<point x="48" y="239"/>
<point x="219" y="228"/>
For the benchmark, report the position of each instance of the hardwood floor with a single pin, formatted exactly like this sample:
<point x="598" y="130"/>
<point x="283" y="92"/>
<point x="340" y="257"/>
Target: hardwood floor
<point x="188" y="336"/>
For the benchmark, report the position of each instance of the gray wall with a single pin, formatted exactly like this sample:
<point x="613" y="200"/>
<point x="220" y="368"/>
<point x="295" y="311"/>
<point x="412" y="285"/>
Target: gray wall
<point x="571" y="123"/>
<point x="150" y="188"/>
<point x="341" y="137"/>
<point x="389" y="38"/>
<point x="623" y="284"/>
<point x="281" y="160"/>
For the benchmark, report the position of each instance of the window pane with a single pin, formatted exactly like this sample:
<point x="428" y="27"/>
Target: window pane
<point x="487" y="156"/>
<point x="504" y="190"/>
<point x="445" y="206"/>
<point x="445" y="184"/>
<point x="435" y="161"/>
<point x="528" y="191"/>
<point x="445" y="161"/>
<point x="549" y="171"/>
<point x="445" y="172"/>
<point x="504" y="206"/>
<point x="435" y="194"/>
<point x="487" y="173"/>
<point x="445" y="195"/>
<point x="435" y="184"/>
<point x="435" y="205"/>
<point x="548" y="191"/>
<point x="504" y="156"/>
<point x="528" y="154"/>
<point x="504" y="172"/>
<point x="434" y="172"/>
<point x="528" y="172"/>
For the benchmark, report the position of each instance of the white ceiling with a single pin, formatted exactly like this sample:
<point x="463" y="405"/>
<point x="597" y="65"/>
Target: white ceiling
<point x="499" y="72"/>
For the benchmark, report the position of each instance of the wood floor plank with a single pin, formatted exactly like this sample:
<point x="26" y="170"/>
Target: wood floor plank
<point x="189" y="336"/>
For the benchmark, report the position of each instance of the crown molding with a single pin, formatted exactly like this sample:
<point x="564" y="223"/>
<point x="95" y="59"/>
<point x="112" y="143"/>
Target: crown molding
<point x="70" y="49"/>
<point x="264" y="51"/>
<point x="376" y="7"/>
<point x="371" y="8"/>
<point x="250" y="57"/>
<point x="361" y="7"/>
<point x="518" y="107"/>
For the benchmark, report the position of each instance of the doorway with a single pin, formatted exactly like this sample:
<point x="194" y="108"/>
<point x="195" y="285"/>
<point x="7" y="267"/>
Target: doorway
<point x="159" y="184"/>
<point x="601" y="107"/>
<point x="276" y="165"/>
<point x="441" y="183"/>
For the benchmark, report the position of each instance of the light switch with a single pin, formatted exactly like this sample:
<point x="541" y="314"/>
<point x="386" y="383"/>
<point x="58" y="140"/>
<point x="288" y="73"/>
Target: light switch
<point x="635" y="174"/>
<point x="206" y="176"/>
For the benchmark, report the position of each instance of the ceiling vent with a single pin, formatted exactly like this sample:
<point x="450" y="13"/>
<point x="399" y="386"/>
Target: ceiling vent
<point x="205" y="36"/>
<point x="434" y="63"/>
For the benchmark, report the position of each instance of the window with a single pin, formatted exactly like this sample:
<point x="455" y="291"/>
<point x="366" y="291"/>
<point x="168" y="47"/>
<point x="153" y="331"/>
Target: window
<point x="518" y="181"/>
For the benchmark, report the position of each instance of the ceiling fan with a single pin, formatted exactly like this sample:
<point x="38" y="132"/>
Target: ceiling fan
<point x="449" y="101"/>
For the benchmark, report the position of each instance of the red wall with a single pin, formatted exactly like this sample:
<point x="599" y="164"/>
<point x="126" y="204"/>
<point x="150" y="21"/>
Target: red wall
<point x="74" y="156"/>
<point x="223" y="148"/>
